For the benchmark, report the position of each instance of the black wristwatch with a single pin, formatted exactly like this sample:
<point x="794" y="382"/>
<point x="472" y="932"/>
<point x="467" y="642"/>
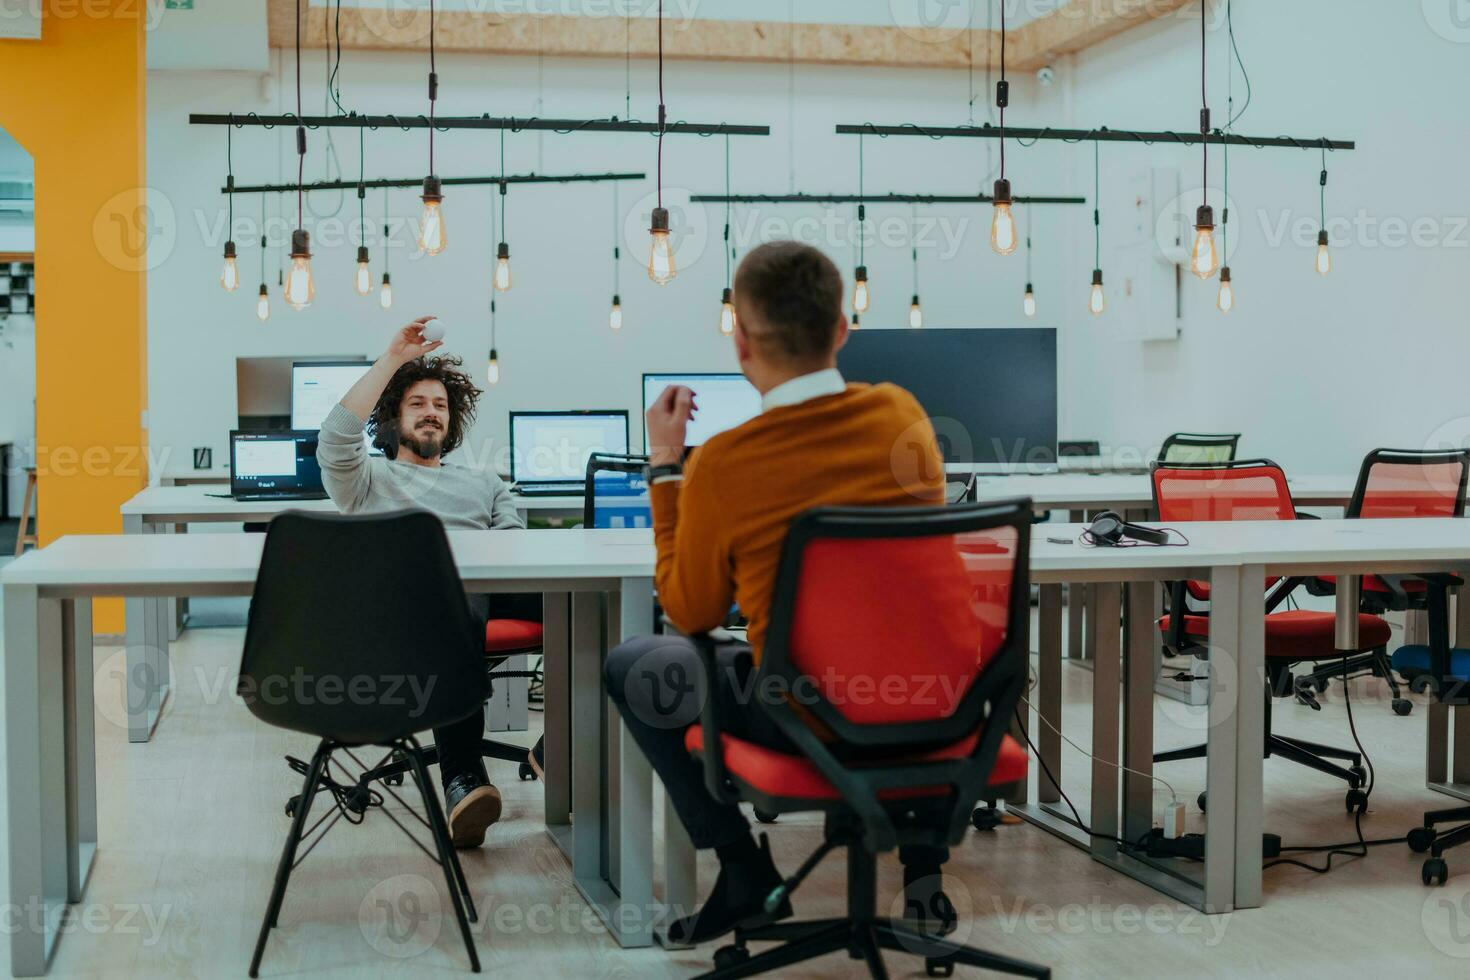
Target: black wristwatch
<point x="664" y="471"/>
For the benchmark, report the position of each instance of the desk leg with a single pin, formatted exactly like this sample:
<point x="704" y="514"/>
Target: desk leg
<point x="1106" y="676"/>
<point x="1076" y="604"/>
<point x="556" y="663"/>
<point x="37" y="774"/>
<point x="1049" y="694"/>
<point x="586" y="711"/>
<point x="146" y="654"/>
<point x="635" y="793"/>
<point x="81" y="746"/>
<point x="1138" y="711"/>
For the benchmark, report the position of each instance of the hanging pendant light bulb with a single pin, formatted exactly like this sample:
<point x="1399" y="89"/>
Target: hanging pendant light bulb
<point x="1204" y="260"/>
<point x="502" y="268"/>
<point x="661" y="267"/>
<point x="492" y="373"/>
<point x="1226" y="302"/>
<point x="385" y="295"/>
<point x="300" y="288"/>
<point x="860" y="296"/>
<point x="431" y="220"/>
<point x="229" y="276"/>
<point x="615" y="317"/>
<point x="727" y="312"/>
<point x="1097" y="303"/>
<point x="916" y="314"/>
<point x="1003" y="223"/>
<point x="1028" y="302"/>
<point x="1324" y="257"/>
<point x="364" y="279"/>
<point x="263" y="305"/>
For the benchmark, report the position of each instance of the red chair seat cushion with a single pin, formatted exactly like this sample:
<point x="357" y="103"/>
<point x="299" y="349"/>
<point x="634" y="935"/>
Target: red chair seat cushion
<point x="787" y="776"/>
<point x="512" y="635"/>
<point x="1300" y="634"/>
<point x="1372" y="583"/>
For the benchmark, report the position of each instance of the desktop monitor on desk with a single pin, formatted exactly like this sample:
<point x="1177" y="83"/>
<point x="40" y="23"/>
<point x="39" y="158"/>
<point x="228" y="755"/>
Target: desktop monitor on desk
<point x="725" y="401"/>
<point x="316" y="386"/>
<point x="549" y="450"/>
<point x="991" y="393"/>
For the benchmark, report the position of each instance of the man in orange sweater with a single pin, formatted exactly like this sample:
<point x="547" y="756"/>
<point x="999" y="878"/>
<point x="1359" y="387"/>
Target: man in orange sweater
<point x="720" y="522"/>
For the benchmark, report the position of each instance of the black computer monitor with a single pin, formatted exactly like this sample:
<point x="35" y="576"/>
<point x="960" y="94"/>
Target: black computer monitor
<point x="280" y="465"/>
<point x="725" y="401"/>
<point x="553" y="447"/>
<point x="992" y="394"/>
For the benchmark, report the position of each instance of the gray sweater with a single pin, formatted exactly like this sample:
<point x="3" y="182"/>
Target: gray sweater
<point x="363" y="484"/>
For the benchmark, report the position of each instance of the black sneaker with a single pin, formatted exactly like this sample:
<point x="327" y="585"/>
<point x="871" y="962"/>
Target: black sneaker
<point x="473" y="805"/>
<point x="738" y="899"/>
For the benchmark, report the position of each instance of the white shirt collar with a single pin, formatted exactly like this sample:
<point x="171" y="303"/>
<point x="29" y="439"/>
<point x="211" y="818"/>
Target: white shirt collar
<point x="818" y="384"/>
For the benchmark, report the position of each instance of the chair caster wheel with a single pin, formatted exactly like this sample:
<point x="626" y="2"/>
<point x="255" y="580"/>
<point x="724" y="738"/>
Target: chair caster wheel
<point x="729" y="957"/>
<point x="765" y="817"/>
<point x="1402" y="706"/>
<point x="1201" y="801"/>
<point x="1421" y="839"/>
<point x="394" y="780"/>
<point x="984" y="818"/>
<point x="1435" y="872"/>
<point x="1356" y="801"/>
<point x="1361" y="774"/>
<point x="291" y="806"/>
<point x="935" y="967"/>
<point x="528" y="775"/>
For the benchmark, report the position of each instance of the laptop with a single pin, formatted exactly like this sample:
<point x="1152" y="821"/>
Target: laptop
<point x="275" y="466"/>
<point x="549" y="450"/>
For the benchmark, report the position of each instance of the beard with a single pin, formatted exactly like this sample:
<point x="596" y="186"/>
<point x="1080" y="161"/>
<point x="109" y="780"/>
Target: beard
<point x="426" y="441"/>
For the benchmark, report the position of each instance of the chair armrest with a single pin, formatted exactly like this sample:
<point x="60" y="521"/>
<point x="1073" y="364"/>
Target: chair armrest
<point x="716" y="781"/>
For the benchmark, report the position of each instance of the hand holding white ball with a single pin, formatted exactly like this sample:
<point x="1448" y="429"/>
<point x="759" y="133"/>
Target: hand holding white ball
<point x="433" y="330"/>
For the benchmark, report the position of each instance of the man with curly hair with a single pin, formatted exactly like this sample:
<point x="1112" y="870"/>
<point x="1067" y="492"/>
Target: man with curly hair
<point x="417" y="409"/>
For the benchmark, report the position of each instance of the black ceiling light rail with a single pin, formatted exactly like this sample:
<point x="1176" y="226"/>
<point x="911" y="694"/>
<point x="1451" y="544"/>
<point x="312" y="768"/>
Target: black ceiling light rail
<point x="337" y="185"/>
<point x="442" y="123"/>
<point x="872" y="199"/>
<point x="1100" y="135"/>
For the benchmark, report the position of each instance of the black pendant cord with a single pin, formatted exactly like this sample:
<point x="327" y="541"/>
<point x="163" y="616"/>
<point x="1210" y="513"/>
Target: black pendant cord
<point x="362" y="188"/>
<point x="727" y="248"/>
<point x="862" y="208"/>
<point x="662" y="110"/>
<point x="1096" y="208"/>
<point x="1322" y="191"/>
<point x="300" y="130"/>
<point x="386" y="249"/>
<point x="334" y="87"/>
<point x="433" y="86"/>
<point x="1236" y="60"/>
<point x="970" y="58"/>
<point x="914" y="245"/>
<point x="492" y="321"/>
<point x="617" y="248"/>
<point x="1028" y="251"/>
<point x="503" y="185"/>
<point x="230" y="180"/>
<point x="1204" y="104"/>
<point x="1002" y="91"/>
<point x="263" y="240"/>
<point x="628" y="63"/>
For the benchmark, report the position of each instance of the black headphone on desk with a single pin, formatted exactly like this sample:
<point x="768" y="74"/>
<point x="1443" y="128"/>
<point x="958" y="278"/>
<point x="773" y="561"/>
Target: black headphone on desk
<point x="1109" y="530"/>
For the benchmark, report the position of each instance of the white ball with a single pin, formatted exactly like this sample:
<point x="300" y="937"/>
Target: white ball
<point x="434" y="330"/>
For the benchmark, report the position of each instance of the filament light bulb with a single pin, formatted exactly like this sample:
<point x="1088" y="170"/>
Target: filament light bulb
<point x="229" y="276"/>
<point x="385" y="296"/>
<point x="1097" y="303"/>
<point x="661" y="267"/>
<point x="432" y="238"/>
<point x="1324" y="257"/>
<point x="300" y="288"/>
<point x="916" y="314"/>
<point x="1226" y="301"/>
<point x="860" y="297"/>
<point x="502" y="268"/>
<point x="263" y="305"/>
<point x="492" y="373"/>
<point x="1003" y="237"/>
<point x="615" y="317"/>
<point x="364" y="280"/>
<point x="1204" y="260"/>
<point x="1028" y="302"/>
<point x="727" y="313"/>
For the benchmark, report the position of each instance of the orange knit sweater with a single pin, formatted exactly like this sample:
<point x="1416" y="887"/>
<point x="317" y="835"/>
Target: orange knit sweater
<point x="720" y="530"/>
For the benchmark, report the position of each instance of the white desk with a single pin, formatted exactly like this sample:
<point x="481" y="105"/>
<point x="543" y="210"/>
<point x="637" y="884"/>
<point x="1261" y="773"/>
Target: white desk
<point x="51" y="793"/>
<point x="152" y="622"/>
<point x="1089" y="492"/>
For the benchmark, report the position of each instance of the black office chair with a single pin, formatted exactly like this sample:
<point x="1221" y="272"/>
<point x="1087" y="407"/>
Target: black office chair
<point x="1198" y="447"/>
<point x="359" y="635"/>
<point x="615" y="492"/>
<point x="851" y="586"/>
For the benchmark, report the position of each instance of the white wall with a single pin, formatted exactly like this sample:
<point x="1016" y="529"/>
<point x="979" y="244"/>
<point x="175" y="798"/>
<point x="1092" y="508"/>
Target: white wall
<point x="556" y="349"/>
<point x="1314" y="371"/>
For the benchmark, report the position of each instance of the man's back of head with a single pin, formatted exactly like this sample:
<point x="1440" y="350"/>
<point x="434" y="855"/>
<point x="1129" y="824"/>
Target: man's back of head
<point x="788" y="303"/>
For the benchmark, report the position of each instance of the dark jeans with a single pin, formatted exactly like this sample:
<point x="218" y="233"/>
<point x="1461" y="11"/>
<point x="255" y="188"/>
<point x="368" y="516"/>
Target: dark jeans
<point x="459" y="743"/>
<point x="652" y="680"/>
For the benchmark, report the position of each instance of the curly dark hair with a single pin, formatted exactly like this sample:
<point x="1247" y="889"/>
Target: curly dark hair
<point x="383" y="423"/>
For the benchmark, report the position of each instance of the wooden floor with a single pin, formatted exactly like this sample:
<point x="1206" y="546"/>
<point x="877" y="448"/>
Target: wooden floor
<point x="192" y="824"/>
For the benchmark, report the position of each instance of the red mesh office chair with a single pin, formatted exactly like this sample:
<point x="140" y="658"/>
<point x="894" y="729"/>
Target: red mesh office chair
<point x="915" y="720"/>
<point x="1395" y="483"/>
<point x="1256" y="490"/>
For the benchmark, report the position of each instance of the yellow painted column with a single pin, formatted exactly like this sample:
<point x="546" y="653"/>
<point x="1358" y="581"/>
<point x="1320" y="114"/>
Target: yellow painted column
<point x="75" y="100"/>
